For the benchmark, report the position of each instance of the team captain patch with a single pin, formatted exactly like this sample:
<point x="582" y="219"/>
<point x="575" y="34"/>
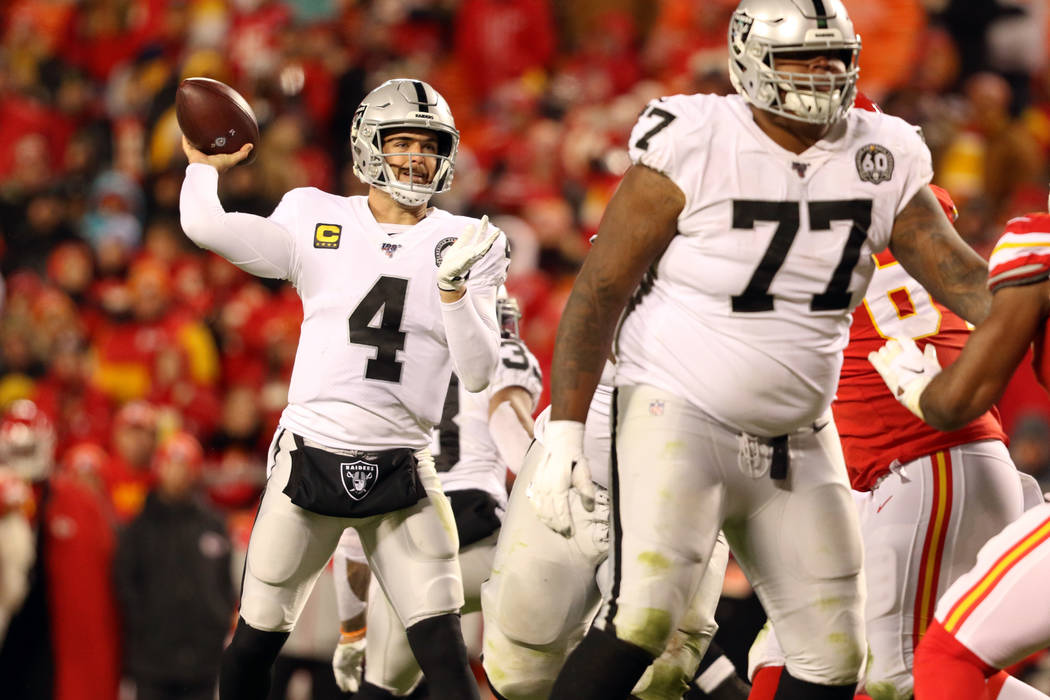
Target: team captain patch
<point x="327" y="235"/>
<point x="874" y="163"/>
<point x="439" y="249"/>
<point x="358" y="478"/>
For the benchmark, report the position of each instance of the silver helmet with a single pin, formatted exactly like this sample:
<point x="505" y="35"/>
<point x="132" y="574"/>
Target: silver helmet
<point x="760" y="30"/>
<point x="509" y="313"/>
<point x="401" y="103"/>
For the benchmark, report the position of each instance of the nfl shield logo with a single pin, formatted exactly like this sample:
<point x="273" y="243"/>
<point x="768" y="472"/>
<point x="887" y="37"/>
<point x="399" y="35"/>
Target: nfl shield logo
<point x="656" y="407"/>
<point x="358" y="478"/>
<point x="390" y="249"/>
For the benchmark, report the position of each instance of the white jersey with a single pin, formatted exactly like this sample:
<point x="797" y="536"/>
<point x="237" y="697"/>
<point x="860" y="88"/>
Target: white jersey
<point x="373" y="362"/>
<point x="748" y="310"/>
<point x="597" y="431"/>
<point x="463" y="449"/>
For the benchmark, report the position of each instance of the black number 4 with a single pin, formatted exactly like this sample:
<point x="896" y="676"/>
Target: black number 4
<point x="388" y="294"/>
<point x="836" y="295"/>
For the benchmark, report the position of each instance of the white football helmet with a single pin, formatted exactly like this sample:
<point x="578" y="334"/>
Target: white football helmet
<point x="402" y="103"/>
<point x="509" y="313"/>
<point x="760" y="30"/>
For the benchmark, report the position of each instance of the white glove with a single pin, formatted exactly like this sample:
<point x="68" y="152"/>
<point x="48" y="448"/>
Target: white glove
<point x="470" y="247"/>
<point x="348" y="663"/>
<point x="562" y="466"/>
<point x="906" y="370"/>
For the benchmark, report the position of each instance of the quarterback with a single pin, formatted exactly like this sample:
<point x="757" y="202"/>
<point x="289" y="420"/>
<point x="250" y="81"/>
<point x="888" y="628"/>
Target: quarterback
<point x="480" y="434"/>
<point x="388" y="313"/>
<point x="726" y="267"/>
<point x="997" y="613"/>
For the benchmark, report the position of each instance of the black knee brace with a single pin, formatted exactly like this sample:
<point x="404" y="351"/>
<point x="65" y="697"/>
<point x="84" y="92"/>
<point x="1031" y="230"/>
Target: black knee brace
<point x="601" y="667"/>
<point x="248" y="662"/>
<point x="437" y="643"/>
<point x="791" y="688"/>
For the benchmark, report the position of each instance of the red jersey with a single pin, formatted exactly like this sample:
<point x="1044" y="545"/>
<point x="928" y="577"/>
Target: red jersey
<point x="1022" y="256"/>
<point x="876" y="430"/>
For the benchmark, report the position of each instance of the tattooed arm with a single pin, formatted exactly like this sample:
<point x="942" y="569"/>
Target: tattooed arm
<point x="933" y="253"/>
<point x="637" y="225"/>
<point x="969" y="386"/>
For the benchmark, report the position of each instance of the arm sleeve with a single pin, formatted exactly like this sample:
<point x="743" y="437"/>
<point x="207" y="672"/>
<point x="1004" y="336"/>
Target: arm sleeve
<point x="1022" y="255"/>
<point x="472" y="333"/>
<point x="260" y="246"/>
<point x="510" y="436"/>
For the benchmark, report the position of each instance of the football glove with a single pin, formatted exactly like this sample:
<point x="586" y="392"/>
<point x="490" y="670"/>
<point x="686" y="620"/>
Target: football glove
<point x="458" y="258"/>
<point x="906" y="369"/>
<point x="348" y="664"/>
<point x="563" y="466"/>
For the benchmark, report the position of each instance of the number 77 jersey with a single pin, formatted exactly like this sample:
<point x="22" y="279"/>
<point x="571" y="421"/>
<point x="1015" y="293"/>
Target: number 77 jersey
<point x="747" y="311"/>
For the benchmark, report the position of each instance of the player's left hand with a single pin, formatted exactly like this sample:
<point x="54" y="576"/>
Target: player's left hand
<point x="470" y="247"/>
<point x="906" y="369"/>
<point x="348" y="663"/>
<point x="563" y="466"/>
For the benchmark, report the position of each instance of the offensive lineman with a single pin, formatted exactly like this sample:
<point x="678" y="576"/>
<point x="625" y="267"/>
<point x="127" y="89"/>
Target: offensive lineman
<point x="377" y="347"/>
<point x="927" y="500"/>
<point x="998" y="612"/>
<point x="744" y="233"/>
<point x="557" y="581"/>
<point x="479" y="435"/>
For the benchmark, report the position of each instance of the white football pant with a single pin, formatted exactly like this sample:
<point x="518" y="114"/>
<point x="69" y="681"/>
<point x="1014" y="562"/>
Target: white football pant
<point x="679" y="477"/>
<point x="412" y="552"/>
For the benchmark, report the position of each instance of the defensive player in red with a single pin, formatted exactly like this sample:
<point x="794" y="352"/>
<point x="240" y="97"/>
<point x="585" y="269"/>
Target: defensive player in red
<point x="998" y="612"/>
<point x="927" y="499"/>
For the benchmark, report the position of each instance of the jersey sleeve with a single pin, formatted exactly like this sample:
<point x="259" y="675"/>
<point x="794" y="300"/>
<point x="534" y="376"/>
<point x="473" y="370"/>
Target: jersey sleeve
<point x="1022" y="255"/>
<point x="517" y="367"/>
<point x="491" y="270"/>
<point x="264" y="247"/>
<point x="918" y="165"/>
<point x="652" y="143"/>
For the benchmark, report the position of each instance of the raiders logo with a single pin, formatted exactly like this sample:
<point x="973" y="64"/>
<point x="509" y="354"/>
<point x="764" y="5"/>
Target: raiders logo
<point x="439" y="249"/>
<point x="358" y="478"/>
<point x="874" y="164"/>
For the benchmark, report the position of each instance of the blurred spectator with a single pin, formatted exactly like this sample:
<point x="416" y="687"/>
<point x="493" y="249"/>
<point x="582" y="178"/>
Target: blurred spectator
<point x="173" y="580"/>
<point x="127" y="476"/>
<point x="79" y="410"/>
<point x="503" y="40"/>
<point x="63" y="643"/>
<point x="17" y="545"/>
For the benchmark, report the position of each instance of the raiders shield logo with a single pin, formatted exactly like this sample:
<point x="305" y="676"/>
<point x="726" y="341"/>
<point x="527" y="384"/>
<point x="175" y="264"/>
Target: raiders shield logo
<point x="874" y="164"/>
<point x="439" y="249"/>
<point x="358" y="478"/>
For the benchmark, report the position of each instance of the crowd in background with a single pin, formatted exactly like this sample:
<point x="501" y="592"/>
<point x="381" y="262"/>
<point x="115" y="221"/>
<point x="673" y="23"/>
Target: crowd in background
<point x="124" y="334"/>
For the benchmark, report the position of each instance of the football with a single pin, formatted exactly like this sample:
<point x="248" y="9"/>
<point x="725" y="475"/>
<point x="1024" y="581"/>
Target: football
<point x="214" y="117"/>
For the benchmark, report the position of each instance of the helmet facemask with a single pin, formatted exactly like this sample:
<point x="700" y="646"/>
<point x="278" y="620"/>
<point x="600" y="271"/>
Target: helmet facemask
<point x="402" y="105"/>
<point x="756" y="43"/>
<point x="508" y="312"/>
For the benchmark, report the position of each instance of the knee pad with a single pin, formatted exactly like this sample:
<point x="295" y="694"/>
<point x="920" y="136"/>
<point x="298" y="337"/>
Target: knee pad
<point x="281" y="543"/>
<point x="429" y="542"/>
<point x="532" y="616"/>
<point x="832" y="547"/>
<point x="647" y="628"/>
